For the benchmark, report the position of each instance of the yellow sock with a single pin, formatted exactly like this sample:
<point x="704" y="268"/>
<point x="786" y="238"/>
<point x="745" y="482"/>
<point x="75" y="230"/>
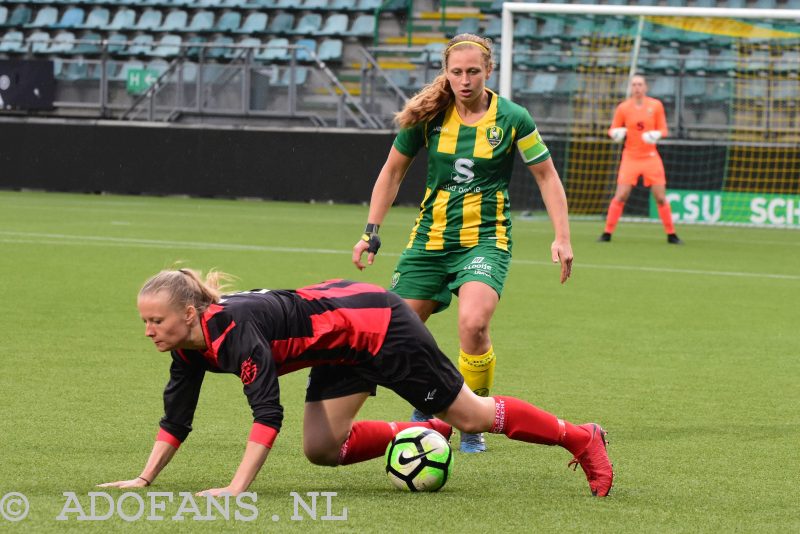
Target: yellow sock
<point x="478" y="371"/>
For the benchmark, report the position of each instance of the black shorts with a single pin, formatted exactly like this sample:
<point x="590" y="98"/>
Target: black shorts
<point x="409" y="363"/>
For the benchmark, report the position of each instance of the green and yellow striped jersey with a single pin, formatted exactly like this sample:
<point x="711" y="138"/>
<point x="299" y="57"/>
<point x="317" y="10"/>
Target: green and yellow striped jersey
<point x="469" y="169"/>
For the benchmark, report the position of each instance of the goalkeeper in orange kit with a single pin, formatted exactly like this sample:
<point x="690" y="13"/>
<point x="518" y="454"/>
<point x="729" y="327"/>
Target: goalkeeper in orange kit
<point x="640" y="122"/>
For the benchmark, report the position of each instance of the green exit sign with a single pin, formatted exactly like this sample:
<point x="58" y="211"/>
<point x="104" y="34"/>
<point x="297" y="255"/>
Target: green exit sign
<point x="140" y="80"/>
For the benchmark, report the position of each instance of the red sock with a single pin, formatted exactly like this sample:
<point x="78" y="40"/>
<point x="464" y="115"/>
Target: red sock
<point x="614" y="213"/>
<point x="369" y="439"/>
<point x="665" y="213"/>
<point x="525" y="422"/>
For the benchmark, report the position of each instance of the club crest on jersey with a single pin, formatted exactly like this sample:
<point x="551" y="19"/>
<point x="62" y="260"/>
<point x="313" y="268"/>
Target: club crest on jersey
<point x="494" y="135"/>
<point x="395" y="279"/>
<point x="248" y="372"/>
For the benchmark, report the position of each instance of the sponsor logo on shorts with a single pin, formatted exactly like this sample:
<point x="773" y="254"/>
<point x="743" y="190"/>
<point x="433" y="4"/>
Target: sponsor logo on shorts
<point x="479" y="267"/>
<point x="395" y="279"/>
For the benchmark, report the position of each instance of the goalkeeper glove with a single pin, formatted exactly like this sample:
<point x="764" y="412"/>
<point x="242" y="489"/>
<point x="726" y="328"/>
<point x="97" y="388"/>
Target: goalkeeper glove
<point x="371" y="236"/>
<point x="651" y="137"/>
<point x="618" y="134"/>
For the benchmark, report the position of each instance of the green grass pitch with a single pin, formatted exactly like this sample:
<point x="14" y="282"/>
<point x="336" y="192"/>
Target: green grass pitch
<point x="687" y="355"/>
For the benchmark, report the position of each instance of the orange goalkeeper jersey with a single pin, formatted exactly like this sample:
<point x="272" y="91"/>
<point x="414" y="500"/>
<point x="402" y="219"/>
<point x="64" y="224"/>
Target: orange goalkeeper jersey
<point x="640" y="119"/>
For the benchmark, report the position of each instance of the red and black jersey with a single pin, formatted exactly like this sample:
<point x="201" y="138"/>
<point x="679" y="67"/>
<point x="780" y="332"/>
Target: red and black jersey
<point x="260" y="334"/>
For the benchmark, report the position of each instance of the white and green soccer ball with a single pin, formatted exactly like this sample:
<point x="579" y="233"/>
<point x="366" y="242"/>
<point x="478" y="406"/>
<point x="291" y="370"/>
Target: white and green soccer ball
<point x="419" y="459"/>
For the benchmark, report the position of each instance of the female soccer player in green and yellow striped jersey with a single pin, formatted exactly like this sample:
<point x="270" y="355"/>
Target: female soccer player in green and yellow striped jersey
<point x="461" y="240"/>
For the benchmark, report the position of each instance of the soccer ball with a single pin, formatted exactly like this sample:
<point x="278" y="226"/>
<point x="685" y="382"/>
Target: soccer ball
<point x="419" y="459"/>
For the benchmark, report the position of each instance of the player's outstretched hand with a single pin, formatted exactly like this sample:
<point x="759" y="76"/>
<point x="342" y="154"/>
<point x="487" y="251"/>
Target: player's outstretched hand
<point x="133" y="483"/>
<point x="562" y="253"/>
<point x="216" y="492"/>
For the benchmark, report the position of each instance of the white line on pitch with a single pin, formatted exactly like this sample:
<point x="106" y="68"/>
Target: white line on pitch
<point x="65" y="239"/>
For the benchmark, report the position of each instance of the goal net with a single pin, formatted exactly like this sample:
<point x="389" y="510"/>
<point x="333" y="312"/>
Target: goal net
<point x="729" y="79"/>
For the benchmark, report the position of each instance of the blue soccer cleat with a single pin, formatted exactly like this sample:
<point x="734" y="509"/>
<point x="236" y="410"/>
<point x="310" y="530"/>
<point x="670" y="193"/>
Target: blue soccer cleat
<point x="471" y="443"/>
<point x="418" y="417"/>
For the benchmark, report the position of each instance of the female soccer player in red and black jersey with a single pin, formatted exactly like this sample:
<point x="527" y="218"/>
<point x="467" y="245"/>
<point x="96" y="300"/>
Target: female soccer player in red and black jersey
<point x="355" y="336"/>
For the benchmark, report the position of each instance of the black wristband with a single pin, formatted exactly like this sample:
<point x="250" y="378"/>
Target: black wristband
<point x="372" y="228"/>
<point x="147" y="481"/>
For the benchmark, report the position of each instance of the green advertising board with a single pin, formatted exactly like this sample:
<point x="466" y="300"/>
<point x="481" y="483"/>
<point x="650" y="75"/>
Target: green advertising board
<point x="140" y="80"/>
<point x="727" y="207"/>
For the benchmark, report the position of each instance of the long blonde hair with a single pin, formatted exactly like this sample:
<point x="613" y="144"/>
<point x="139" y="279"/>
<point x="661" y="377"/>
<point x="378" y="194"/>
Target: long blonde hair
<point x="437" y="95"/>
<point x="187" y="287"/>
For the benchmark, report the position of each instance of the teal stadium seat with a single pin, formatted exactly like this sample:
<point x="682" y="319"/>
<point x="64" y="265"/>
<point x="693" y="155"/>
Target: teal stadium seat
<point x="228" y="22"/>
<point x="281" y="24"/>
<point x="335" y="25"/>
<point x="208" y="4"/>
<point x="468" y="25"/>
<point x="697" y="60"/>
<point x="315" y="5"/>
<point x="431" y="55"/>
<point x="300" y="75"/>
<point x="63" y="43"/>
<point x="168" y="46"/>
<point x="368" y="5"/>
<point x="547" y="57"/>
<point x="13" y="42"/>
<point x="543" y="84"/>
<point x="363" y="26"/>
<point x="72" y="18"/>
<point x="276" y="49"/>
<point x="248" y="45"/>
<point x="201" y="21"/>
<point x="309" y="24"/>
<point x="149" y="20"/>
<point x="19" y="17"/>
<point x="306" y="50"/>
<point x="77" y="69"/>
<point x="553" y="29"/>
<point x="256" y="22"/>
<point x="97" y="19"/>
<point x="38" y="42"/>
<point x="494" y="28"/>
<point x="88" y="44"/>
<point x="259" y="4"/>
<point x="667" y="61"/>
<point x="3" y="15"/>
<point x="219" y="48"/>
<point x="116" y="43"/>
<point x="234" y="4"/>
<point x="343" y="5"/>
<point x="694" y="89"/>
<point x="45" y="18"/>
<point x="288" y="4"/>
<point x="140" y="45"/>
<point x="664" y="88"/>
<point x="330" y="50"/>
<point x="124" y="19"/>
<point x="175" y="21"/>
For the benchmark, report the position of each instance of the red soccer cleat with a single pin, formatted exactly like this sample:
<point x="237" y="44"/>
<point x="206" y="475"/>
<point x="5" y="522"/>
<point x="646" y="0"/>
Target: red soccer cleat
<point x="441" y="427"/>
<point x="594" y="461"/>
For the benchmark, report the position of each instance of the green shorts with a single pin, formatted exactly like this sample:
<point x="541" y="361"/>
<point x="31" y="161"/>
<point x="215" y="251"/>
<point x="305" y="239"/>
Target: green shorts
<point x="427" y="275"/>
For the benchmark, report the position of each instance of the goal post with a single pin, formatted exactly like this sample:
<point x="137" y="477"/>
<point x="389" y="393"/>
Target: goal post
<point x="733" y="154"/>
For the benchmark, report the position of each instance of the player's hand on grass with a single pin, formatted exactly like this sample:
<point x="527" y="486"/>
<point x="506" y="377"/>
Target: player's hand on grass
<point x="562" y="253"/>
<point x="133" y="483"/>
<point x="216" y="492"/>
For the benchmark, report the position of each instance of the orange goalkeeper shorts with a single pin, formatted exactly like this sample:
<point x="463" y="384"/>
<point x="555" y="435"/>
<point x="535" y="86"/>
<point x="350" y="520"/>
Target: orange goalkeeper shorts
<point x="650" y="168"/>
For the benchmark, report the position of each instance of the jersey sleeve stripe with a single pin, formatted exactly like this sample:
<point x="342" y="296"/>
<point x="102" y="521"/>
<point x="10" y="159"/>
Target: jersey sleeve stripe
<point x="166" y="437"/>
<point x="263" y="434"/>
